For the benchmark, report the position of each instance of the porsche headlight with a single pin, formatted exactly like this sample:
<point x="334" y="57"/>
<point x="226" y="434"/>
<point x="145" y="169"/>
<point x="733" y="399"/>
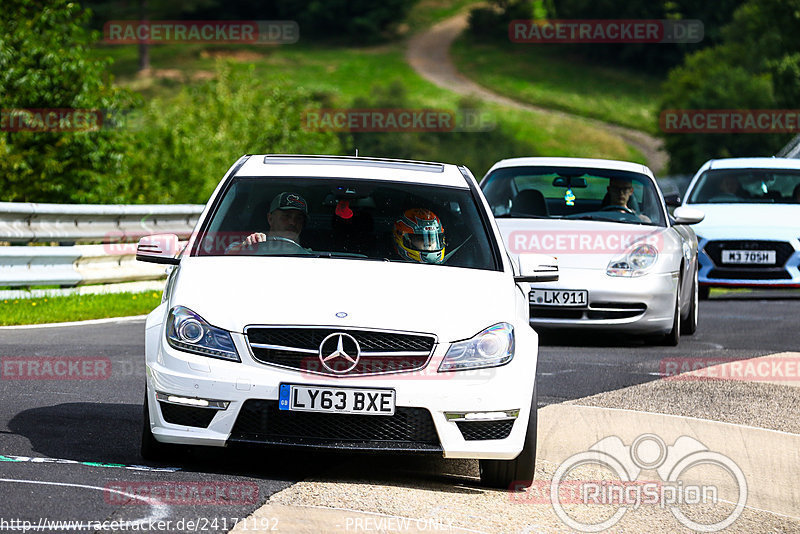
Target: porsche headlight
<point x="491" y="348"/>
<point x="188" y="332"/>
<point x="635" y="262"/>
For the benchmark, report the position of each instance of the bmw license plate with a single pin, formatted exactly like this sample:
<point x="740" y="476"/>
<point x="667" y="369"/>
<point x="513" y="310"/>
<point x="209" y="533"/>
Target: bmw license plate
<point x="757" y="257"/>
<point x="559" y="297"/>
<point x="364" y="401"/>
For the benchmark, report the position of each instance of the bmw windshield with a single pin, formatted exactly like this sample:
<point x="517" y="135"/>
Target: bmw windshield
<point x="573" y="193"/>
<point x="352" y="219"/>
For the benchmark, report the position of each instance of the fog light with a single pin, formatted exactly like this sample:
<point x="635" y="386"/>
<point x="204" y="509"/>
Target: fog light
<point x="482" y="416"/>
<point x="191" y="401"/>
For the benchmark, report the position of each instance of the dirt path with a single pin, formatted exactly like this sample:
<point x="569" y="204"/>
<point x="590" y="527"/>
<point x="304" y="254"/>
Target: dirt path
<point x="429" y="54"/>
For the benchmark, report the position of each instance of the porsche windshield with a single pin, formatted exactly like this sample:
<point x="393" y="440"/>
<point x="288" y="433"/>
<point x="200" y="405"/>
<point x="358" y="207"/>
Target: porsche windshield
<point x="740" y="186"/>
<point x="573" y="193"/>
<point x="345" y="218"/>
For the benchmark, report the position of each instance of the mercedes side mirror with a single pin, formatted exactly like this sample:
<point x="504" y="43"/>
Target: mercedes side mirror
<point x="537" y="268"/>
<point x="159" y="248"/>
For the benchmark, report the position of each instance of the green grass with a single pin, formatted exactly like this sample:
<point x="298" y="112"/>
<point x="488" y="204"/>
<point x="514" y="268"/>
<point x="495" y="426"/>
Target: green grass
<point x="76" y="307"/>
<point x="544" y="75"/>
<point x="426" y="13"/>
<point x="345" y="73"/>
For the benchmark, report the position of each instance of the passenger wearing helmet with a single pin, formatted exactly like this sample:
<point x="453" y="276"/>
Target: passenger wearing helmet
<point x="419" y="236"/>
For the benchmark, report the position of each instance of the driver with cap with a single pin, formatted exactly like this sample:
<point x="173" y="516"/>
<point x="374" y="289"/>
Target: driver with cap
<point x="286" y="218"/>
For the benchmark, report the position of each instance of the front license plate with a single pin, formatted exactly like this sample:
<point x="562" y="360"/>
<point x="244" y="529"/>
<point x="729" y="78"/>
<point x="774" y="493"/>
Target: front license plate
<point x="336" y="400"/>
<point x="559" y="297"/>
<point x="752" y="257"/>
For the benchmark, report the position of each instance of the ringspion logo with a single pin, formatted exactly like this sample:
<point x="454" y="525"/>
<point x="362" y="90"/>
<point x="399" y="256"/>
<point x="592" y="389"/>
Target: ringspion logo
<point x="685" y="469"/>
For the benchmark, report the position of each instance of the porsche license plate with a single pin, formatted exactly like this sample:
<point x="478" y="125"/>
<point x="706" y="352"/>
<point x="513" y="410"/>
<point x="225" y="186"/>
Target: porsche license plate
<point x="364" y="401"/>
<point x="751" y="257"/>
<point x="559" y="297"/>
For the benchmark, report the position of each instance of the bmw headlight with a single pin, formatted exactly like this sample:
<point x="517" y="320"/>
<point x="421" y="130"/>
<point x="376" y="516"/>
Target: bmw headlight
<point x="491" y="348"/>
<point x="188" y="332"/>
<point x="635" y="262"/>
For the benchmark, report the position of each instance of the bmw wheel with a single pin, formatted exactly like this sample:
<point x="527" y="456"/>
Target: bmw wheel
<point x="502" y="474"/>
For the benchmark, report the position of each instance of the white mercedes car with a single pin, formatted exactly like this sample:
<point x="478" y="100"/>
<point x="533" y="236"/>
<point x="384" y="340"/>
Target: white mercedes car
<point x="751" y="234"/>
<point x="345" y="303"/>
<point x="624" y="263"/>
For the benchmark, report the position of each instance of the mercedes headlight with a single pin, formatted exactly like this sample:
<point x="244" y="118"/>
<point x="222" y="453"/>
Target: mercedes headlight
<point x="491" y="348"/>
<point x="188" y="332"/>
<point x="635" y="262"/>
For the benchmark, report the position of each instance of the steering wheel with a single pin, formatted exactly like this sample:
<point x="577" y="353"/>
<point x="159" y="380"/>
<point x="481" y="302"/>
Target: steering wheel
<point x="624" y="209"/>
<point x="276" y="243"/>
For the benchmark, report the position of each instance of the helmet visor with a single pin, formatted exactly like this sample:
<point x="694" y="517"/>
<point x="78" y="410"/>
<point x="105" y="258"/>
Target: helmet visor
<point x="427" y="241"/>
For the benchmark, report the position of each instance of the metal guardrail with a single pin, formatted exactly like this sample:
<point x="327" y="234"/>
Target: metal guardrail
<point x="117" y="226"/>
<point x="22" y="222"/>
<point x="73" y="266"/>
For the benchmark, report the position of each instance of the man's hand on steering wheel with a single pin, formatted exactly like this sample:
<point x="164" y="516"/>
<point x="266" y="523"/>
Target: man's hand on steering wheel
<point x="623" y="209"/>
<point x="252" y="241"/>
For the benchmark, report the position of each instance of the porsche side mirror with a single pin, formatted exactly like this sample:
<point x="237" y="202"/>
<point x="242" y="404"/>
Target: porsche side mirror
<point x="686" y="215"/>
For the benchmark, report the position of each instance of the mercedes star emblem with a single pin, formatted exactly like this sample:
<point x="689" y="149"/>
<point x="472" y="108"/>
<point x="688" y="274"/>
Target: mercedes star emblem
<point x="339" y="353"/>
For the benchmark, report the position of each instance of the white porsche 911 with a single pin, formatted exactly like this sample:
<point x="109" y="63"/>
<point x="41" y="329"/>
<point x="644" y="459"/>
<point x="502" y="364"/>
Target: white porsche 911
<point x="346" y="303"/>
<point x="624" y="263"/>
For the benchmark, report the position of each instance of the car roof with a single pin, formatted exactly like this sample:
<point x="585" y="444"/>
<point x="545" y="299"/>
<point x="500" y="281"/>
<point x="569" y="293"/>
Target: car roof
<point x="609" y="164"/>
<point x="311" y="166"/>
<point x="757" y="163"/>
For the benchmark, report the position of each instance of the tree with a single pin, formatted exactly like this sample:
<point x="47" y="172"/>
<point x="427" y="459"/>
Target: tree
<point x="45" y="62"/>
<point x="757" y="66"/>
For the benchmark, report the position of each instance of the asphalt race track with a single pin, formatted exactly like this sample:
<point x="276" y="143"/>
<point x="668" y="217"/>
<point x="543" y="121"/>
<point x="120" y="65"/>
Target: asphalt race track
<point x="64" y="443"/>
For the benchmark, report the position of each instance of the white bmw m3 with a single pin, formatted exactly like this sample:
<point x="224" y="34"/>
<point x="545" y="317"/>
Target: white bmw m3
<point x="347" y="303"/>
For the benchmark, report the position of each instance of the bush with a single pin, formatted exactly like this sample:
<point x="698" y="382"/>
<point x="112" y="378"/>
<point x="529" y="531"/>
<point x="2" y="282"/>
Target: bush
<point x="756" y="67"/>
<point x="45" y="63"/>
<point x="651" y="57"/>
<point x="710" y="81"/>
<point x="491" y="23"/>
<point x="181" y="147"/>
<point x="357" y="21"/>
